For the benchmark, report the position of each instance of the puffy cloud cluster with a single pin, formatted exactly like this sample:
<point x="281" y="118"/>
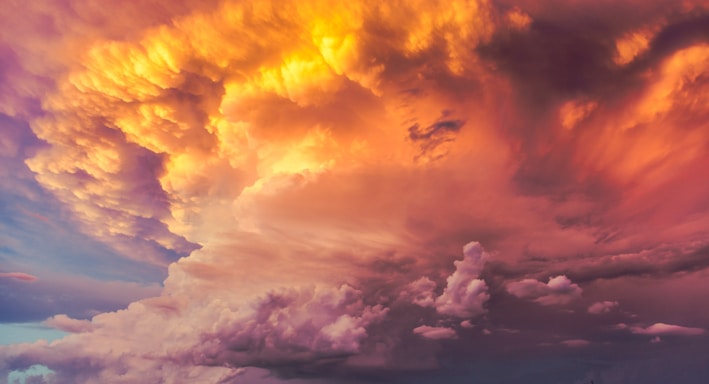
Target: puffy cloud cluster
<point x="282" y="327"/>
<point x="558" y="291"/>
<point x="465" y="293"/>
<point x="464" y="296"/>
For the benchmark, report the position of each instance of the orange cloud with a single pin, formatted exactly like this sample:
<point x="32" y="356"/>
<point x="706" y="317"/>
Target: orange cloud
<point x="297" y="167"/>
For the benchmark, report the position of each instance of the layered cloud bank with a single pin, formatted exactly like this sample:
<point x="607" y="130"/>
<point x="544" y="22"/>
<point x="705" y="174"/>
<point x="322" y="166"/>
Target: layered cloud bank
<point x="358" y="192"/>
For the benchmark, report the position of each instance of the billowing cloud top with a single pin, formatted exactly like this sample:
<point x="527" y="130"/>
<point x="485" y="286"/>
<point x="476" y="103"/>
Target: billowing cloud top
<point x="302" y="177"/>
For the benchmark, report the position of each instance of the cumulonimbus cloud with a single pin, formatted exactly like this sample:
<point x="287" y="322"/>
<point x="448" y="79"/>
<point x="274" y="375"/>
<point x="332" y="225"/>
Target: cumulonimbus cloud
<point x="306" y="173"/>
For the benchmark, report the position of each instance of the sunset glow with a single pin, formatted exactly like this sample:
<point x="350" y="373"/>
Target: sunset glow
<point x="469" y="191"/>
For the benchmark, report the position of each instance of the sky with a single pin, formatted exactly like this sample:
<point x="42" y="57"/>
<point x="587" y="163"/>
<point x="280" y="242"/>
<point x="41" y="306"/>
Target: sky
<point x="255" y="191"/>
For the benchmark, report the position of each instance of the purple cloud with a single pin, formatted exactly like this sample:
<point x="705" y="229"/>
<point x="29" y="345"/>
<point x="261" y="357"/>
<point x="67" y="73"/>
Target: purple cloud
<point x="436" y="333"/>
<point x="662" y="329"/>
<point x="558" y="291"/>
<point x="602" y="307"/>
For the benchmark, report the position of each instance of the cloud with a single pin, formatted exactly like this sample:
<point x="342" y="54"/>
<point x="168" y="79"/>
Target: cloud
<point x="420" y="292"/>
<point x="602" y="307"/>
<point x="662" y="329"/>
<point x="558" y="291"/>
<point x="19" y="276"/>
<point x="67" y="324"/>
<point x="435" y="333"/>
<point x="465" y="294"/>
<point x="279" y="328"/>
<point x="575" y="343"/>
<point x="307" y="188"/>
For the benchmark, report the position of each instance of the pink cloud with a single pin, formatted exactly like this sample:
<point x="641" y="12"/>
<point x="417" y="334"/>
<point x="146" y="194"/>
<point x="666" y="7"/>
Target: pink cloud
<point x="420" y="292"/>
<point x="662" y="329"/>
<point x="21" y="276"/>
<point x="558" y="291"/>
<point x="435" y="333"/>
<point x="283" y="326"/>
<point x="67" y="324"/>
<point x="465" y="294"/>
<point x="602" y="307"/>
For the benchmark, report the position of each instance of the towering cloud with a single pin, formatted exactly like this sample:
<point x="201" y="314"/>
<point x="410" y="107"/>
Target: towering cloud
<point x="465" y="293"/>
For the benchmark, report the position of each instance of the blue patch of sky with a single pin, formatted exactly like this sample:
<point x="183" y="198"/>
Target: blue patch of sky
<point x="29" y="242"/>
<point x="14" y="333"/>
<point x="20" y="377"/>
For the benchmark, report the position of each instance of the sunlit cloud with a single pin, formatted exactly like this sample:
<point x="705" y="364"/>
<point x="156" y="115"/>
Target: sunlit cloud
<point x="208" y="191"/>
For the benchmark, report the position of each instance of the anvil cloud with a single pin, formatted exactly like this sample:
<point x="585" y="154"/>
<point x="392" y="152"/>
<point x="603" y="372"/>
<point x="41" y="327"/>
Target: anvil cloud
<point x="413" y="191"/>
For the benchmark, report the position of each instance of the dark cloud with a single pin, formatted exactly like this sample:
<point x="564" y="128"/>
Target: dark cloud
<point x="435" y="135"/>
